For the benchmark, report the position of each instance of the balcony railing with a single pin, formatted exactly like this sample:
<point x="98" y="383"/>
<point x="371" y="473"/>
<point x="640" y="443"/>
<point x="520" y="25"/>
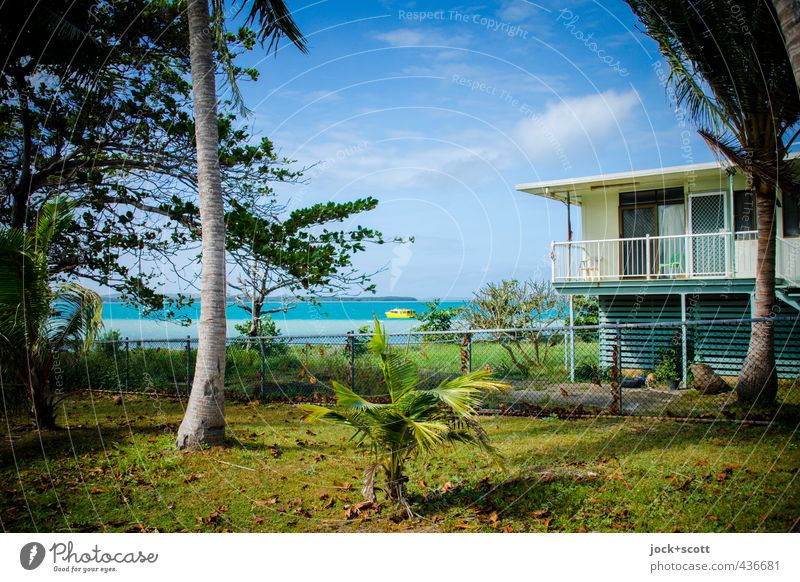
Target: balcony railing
<point x="652" y="257"/>
<point x="685" y="256"/>
<point x="787" y="257"/>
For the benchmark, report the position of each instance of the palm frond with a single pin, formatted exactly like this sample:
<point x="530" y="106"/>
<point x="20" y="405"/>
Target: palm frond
<point x="427" y="434"/>
<point x="399" y="372"/>
<point x="379" y="343"/>
<point x="273" y="20"/>
<point x="729" y="69"/>
<point x="53" y="220"/>
<point x="463" y="394"/>
<point x="348" y="399"/>
<point x="76" y="319"/>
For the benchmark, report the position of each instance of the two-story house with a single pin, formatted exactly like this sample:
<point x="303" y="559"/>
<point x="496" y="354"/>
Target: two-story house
<point x="675" y="244"/>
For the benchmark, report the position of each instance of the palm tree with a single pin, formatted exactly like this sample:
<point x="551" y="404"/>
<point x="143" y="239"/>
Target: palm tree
<point x="204" y="420"/>
<point x="413" y="422"/>
<point x="730" y="69"/>
<point x="38" y="322"/>
<point x="789" y="18"/>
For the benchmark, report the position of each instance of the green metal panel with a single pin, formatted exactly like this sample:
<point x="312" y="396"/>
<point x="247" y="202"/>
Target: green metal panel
<point x="656" y="287"/>
<point x="721" y="346"/>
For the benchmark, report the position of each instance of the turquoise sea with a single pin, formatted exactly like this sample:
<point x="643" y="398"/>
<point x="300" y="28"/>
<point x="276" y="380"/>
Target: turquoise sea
<point x="332" y="317"/>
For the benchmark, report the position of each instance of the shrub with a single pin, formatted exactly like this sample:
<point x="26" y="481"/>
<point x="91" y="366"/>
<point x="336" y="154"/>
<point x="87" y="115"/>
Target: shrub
<point x="414" y="421"/>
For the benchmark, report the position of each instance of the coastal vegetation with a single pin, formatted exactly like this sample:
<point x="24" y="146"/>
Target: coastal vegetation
<point x="40" y="321"/>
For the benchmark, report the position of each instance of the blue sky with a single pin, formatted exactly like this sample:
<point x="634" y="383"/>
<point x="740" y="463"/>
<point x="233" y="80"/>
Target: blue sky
<point x="438" y="109"/>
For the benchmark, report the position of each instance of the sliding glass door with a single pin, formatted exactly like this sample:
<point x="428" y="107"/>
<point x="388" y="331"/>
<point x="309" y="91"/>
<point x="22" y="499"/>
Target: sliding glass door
<point x="659" y="215"/>
<point x="637" y="223"/>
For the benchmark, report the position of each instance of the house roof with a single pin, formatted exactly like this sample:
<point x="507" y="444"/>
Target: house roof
<point x="636" y="180"/>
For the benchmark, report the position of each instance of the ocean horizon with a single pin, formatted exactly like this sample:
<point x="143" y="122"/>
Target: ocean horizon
<point x="328" y="318"/>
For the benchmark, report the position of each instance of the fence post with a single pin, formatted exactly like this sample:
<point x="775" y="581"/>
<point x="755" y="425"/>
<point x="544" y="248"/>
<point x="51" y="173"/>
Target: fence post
<point x="188" y="364"/>
<point x="263" y="368"/>
<point x="127" y="362"/>
<point x="619" y="367"/>
<point x="572" y="339"/>
<point x="469" y="352"/>
<point x="466" y="353"/>
<point x="351" y="344"/>
<point x="684" y="343"/>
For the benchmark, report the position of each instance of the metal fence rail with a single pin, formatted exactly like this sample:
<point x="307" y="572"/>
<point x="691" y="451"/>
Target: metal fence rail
<point x="633" y="368"/>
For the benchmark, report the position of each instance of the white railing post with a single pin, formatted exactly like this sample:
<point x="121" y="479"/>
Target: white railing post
<point x="729" y="254"/>
<point x="687" y="240"/>
<point x="569" y="260"/>
<point x="647" y="259"/>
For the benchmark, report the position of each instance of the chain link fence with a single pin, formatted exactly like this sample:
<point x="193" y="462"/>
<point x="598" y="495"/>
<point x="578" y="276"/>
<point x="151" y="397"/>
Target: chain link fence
<point x="676" y="369"/>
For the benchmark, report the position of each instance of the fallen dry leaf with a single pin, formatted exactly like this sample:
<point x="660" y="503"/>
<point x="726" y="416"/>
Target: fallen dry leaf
<point x="270" y="501"/>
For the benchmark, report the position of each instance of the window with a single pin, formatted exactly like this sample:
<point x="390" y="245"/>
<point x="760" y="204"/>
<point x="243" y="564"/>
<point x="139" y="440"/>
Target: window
<point x="790" y="203"/>
<point x="642" y="197"/>
<point x="744" y="214"/>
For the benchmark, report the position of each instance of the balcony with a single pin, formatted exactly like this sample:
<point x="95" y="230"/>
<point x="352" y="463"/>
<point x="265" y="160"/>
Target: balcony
<point x="687" y="256"/>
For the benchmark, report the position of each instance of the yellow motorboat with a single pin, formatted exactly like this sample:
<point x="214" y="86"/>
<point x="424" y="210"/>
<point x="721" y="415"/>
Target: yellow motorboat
<point x="401" y="313"/>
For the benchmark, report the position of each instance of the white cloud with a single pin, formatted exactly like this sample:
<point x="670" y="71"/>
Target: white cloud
<point x="518" y="10"/>
<point x="403" y="37"/>
<point x="576" y="126"/>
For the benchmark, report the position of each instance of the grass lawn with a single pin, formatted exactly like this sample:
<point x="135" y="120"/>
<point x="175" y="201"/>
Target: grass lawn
<point x="115" y="469"/>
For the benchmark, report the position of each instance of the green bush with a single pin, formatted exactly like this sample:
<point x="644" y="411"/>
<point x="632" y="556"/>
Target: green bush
<point x="590" y="371"/>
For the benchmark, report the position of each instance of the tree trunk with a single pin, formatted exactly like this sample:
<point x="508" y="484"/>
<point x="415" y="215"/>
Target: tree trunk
<point x="758" y="380"/>
<point x="789" y="18"/>
<point x="204" y="421"/>
<point x="255" y="318"/>
<point x="41" y="400"/>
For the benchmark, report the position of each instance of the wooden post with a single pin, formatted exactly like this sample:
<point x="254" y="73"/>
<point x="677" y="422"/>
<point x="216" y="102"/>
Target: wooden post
<point x="569" y="238"/>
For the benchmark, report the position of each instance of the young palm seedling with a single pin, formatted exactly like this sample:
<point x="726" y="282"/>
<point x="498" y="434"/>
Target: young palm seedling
<point x="415" y="421"/>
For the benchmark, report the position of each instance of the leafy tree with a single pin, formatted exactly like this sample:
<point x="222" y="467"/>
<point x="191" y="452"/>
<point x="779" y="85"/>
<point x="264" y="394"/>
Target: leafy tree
<point x="302" y="253"/>
<point x="518" y="313"/>
<point x="436" y="318"/>
<point x="95" y="108"/>
<point x="204" y="421"/>
<point x="414" y="422"/>
<point x="585" y="310"/>
<point x="270" y="342"/>
<point x="38" y="322"/>
<point x="729" y="67"/>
